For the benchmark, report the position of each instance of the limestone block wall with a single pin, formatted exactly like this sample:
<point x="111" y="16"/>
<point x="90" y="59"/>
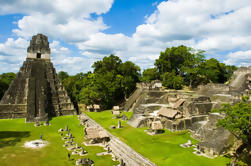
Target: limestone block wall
<point x="211" y="89"/>
<point x="197" y="106"/>
<point x="8" y="111"/>
<point x="182" y="124"/>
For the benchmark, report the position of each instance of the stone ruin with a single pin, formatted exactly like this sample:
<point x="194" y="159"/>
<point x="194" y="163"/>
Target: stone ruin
<point x="36" y="93"/>
<point x="190" y="110"/>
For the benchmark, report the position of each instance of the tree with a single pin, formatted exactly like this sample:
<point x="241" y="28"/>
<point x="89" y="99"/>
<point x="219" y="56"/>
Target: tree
<point x="212" y="70"/>
<point x="111" y="82"/>
<point x="3" y="87"/>
<point x="110" y="63"/>
<point x="238" y="121"/>
<point x="177" y="59"/>
<point x="5" y="80"/>
<point x="170" y="80"/>
<point x="131" y="75"/>
<point x="150" y="75"/>
<point x="183" y="61"/>
<point x="216" y="72"/>
<point x="63" y="75"/>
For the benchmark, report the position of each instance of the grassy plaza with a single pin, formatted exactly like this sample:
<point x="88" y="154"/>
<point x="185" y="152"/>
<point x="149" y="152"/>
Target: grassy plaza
<point x="15" y="132"/>
<point x="163" y="149"/>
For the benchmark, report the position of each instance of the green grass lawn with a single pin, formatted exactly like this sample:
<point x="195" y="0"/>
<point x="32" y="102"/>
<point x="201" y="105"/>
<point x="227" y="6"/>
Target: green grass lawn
<point x="14" y="133"/>
<point x="163" y="149"/>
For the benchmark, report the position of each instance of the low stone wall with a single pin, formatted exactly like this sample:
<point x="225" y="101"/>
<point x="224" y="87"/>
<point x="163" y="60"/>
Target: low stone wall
<point x="68" y="112"/>
<point x="212" y="88"/>
<point x="183" y="124"/>
<point x="13" y="111"/>
<point x="194" y="109"/>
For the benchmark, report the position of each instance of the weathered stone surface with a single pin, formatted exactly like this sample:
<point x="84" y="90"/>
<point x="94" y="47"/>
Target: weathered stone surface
<point x="182" y="124"/>
<point x="197" y="106"/>
<point x="214" y="140"/>
<point x="85" y="162"/>
<point x="13" y="111"/>
<point x="40" y="43"/>
<point x="39" y="47"/>
<point x="241" y="79"/>
<point x="36" y="86"/>
<point x="138" y="120"/>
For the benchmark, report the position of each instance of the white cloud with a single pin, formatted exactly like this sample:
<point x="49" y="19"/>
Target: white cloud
<point x="73" y="30"/>
<point x="105" y="43"/>
<point x="239" y="58"/>
<point x="62" y="8"/>
<point x="13" y="50"/>
<point x="215" y="26"/>
<point x="68" y="21"/>
<point x="61" y="19"/>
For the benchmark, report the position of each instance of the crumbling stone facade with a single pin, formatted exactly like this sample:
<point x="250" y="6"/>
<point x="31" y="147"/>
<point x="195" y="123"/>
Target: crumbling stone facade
<point x="36" y="87"/>
<point x="192" y="109"/>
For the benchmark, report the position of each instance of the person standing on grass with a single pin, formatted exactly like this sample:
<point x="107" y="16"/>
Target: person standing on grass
<point x="69" y="156"/>
<point x="41" y="136"/>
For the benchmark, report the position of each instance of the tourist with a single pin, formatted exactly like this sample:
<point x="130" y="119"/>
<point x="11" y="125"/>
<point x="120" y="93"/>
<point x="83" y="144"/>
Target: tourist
<point x="41" y="136"/>
<point x="69" y="156"/>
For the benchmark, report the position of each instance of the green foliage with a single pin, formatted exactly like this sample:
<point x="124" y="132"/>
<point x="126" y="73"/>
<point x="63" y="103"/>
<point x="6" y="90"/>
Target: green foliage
<point x="192" y="67"/>
<point x="172" y="81"/>
<point x="184" y="62"/>
<point x="5" y="80"/>
<point x="217" y="72"/>
<point x="150" y="75"/>
<point x="109" y="83"/>
<point x="107" y="64"/>
<point x="63" y="75"/>
<point x="237" y="119"/>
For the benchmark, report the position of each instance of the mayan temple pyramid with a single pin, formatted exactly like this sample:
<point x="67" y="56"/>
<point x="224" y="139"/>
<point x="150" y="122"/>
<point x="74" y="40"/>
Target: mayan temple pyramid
<point x="36" y="93"/>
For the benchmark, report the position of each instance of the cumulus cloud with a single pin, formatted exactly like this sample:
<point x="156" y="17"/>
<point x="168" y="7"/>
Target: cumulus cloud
<point x="61" y="19"/>
<point x="105" y="43"/>
<point x="73" y="30"/>
<point x="63" y="8"/>
<point x="239" y="58"/>
<point x="215" y="26"/>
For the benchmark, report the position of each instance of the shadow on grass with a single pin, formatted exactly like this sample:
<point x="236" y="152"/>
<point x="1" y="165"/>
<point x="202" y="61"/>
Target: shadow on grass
<point x="11" y="138"/>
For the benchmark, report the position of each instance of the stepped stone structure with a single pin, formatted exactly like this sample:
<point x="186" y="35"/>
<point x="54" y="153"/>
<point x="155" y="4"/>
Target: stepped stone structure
<point x="36" y="93"/>
<point x="190" y="110"/>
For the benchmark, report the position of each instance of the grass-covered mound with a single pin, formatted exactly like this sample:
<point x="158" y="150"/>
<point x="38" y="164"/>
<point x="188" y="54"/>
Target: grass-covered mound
<point x="163" y="149"/>
<point x="14" y="133"/>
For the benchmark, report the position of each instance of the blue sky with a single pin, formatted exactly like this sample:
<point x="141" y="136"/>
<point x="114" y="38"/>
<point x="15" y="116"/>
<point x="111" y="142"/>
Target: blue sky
<point x="84" y="31"/>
